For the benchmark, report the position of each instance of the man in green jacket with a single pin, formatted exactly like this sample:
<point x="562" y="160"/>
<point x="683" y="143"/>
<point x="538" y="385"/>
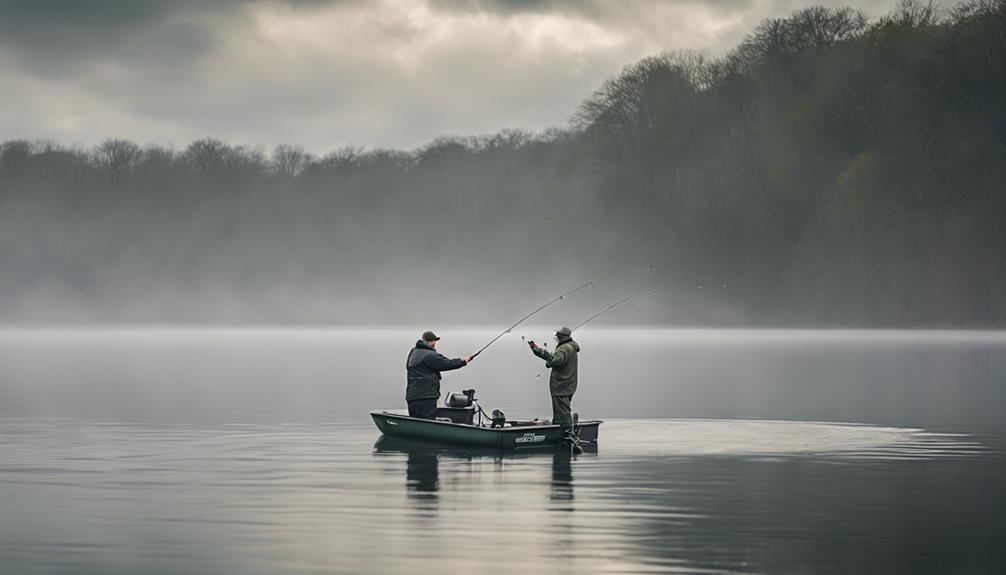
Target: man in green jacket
<point x="562" y="381"/>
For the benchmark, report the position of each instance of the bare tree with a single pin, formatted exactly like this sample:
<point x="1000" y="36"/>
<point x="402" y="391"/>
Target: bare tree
<point x="290" y="161"/>
<point x="342" y="158"/>
<point x="117" y="157"/>
<point x="207" y="155"/>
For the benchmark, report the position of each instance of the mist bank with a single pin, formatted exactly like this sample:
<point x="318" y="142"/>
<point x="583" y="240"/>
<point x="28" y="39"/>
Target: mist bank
<point x="830" y="170"/>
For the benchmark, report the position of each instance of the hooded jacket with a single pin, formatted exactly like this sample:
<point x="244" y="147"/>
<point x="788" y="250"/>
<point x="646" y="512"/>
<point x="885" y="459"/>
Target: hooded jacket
<point x="562" y="381"/>
<point x="423" y="368"/>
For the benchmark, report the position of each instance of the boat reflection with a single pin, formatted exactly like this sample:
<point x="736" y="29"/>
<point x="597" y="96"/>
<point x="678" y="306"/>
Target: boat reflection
<point x="562" y="475"/>
<point x="422" y="471"/>
<point x="423" y="460"/>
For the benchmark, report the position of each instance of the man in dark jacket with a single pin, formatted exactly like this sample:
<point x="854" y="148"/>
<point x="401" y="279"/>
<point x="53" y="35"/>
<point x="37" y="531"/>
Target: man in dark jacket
<point x="423" y="368"/>
<point x="562" y="381"/>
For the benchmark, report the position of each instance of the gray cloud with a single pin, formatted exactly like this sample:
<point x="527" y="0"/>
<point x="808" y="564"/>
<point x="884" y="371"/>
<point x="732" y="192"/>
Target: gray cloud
<point x="53" y="38"/>
<point x="595" y="8"/>
<point x="327" y="73"/>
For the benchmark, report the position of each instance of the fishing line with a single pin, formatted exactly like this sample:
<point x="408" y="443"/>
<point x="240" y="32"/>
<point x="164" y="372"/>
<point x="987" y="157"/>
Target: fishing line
<point x="695" y="280"/>
<point x="613" y="306"/>
<point x="699" y="280"/>
<point x="528" y="316"/>
<point x="604" y="311"/>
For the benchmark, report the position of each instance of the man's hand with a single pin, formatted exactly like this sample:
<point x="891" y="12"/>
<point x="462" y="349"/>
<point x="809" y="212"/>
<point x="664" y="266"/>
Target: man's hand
<point x="532" y="344"/>
<point x="468" y="359"/>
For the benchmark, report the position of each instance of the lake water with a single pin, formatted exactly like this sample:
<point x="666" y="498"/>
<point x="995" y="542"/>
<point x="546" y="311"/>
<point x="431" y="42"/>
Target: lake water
<point x="250" y="451"/>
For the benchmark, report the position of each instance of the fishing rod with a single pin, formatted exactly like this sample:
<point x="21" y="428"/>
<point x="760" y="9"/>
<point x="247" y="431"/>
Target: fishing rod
<point x="698" y="283"/>
<point x="590" y="283"/>
<point x="528" y="316"/>
<point x="613" y="306"/>
<point x="602" y="312"/>
<point x="632" y="297"/>
<point x="698" y="279"/>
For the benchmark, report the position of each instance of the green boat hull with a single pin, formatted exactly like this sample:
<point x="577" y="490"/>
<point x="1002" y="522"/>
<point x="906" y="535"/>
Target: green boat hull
<point x="505" y="438"/>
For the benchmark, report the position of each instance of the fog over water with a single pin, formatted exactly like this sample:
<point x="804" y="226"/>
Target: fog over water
<point x="941" y="380"/>
<point x="945" y="380"/>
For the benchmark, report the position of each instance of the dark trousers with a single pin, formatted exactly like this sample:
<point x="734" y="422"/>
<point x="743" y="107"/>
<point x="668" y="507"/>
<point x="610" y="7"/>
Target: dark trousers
<point x="562" y="412"/>
<point x="423" y="408"/>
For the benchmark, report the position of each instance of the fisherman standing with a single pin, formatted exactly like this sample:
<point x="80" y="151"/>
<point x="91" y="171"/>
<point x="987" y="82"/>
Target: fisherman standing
<point x="562" y="380"/>
<point x="423" y="368"/>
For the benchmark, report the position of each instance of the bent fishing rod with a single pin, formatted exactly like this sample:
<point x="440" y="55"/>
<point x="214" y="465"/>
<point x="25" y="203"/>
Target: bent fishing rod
<point x="528" y="316"/>
<point x="613" y="306"/>
<point x="599" y="314"/>
<point x="602" y="312"/>
<point x="630" y="298"/>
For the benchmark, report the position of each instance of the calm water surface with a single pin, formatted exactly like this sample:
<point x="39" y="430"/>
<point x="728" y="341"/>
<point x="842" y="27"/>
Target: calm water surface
<point x="249" y="451"/>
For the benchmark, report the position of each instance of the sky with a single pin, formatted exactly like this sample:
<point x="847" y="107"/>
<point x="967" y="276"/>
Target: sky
<point x="331" y="73"/>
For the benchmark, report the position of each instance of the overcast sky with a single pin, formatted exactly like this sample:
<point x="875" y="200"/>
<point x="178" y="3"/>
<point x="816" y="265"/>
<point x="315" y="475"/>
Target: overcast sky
<point x="329" y="73"/>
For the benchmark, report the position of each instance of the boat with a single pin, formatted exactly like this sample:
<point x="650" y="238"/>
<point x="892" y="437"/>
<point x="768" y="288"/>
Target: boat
<point x="514" y="435"/>
<point x="455" y="424"/>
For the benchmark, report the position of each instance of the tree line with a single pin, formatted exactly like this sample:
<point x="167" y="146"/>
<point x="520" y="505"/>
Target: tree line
<point x="829" y="170"/>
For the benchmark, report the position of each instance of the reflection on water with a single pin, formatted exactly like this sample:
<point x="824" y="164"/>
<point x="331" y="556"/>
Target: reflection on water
<point x="562" y="475"/>
<point x="422" y="468"/>
<point x="250" y="452"/>
<point x="657" y="496"/>
<point x="422" y="472"/>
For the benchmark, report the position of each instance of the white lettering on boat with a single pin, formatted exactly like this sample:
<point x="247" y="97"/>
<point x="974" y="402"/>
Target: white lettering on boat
<point x="530" y="438"/>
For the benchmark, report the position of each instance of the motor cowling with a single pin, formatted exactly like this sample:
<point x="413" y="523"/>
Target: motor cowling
<point x="463" y="399"/>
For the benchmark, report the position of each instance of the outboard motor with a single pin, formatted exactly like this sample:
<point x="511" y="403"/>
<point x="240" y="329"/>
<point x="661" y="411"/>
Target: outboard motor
<point x="499" y="418"/>
<point x="463" y="399"/>
<point x="458" y="407"/>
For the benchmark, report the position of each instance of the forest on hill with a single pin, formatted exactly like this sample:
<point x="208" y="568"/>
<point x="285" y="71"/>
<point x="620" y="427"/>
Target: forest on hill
<point x="829" y="170"/>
